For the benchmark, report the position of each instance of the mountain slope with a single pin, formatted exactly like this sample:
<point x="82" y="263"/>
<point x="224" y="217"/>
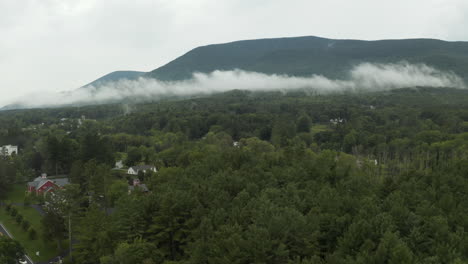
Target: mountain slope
<point x="116" y="76"/>
<point x="303" y="56"/>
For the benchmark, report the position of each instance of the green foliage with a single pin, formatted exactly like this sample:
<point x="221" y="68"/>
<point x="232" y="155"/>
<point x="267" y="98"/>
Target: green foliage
<point x="25" y="225"/>
<point x="301" y="56"/>
<point x="138" y="251"/>
<point x="32" y="234"/>
<point x="282" y="131"/>
<point x="27" y="200"/>
<point x="246" y="178"/>
<point x="7" y="176"/>
<point x="134" y="156"/>
<point x="95" y="147"/>
<point x="13" y="211"/>
<point x="116" y="190"/>
<point x="19" y="218"/>
<point x="54" y="227"/>
<point x="94" y="236"/>
<point x="303" y="124"/>
<point x="97" y="179"/>
<point x="76" y="173"/>
<point x="10" y="250"/>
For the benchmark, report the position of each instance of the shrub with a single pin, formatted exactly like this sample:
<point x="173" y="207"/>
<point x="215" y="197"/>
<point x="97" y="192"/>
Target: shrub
<point x="25" y="225"/>
<point x="32" y="234"/>
<point x="40" y="199"/>
<point x="8" y="207"/>
<point x="19" y="218"/>
<point x="107" y="260"/>
<point x="27" y="201"/>
<point x="13" y="211"/>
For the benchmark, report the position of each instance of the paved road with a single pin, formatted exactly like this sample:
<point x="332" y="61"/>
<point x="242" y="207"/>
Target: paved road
<point x="5" y="232"/>
<point x="37" y="207"/>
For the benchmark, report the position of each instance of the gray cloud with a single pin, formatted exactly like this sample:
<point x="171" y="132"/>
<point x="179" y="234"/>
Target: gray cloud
<point x="53" y="45"/>
<point x="363" y="77"/>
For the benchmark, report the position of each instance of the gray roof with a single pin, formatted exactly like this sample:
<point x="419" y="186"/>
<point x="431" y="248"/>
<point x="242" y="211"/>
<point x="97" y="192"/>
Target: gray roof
<point x="140" y="186"/>
<point x="32" y="184"/>
<point x="39" y="181"/>
<point x="143" y="167"/>
<point x="61" y="182"/>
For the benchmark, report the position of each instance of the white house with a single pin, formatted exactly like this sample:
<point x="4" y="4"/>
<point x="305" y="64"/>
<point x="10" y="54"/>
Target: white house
<point x="119" y="164"/>
<point x="337" y="121"/>
<point x="143" y="168"/>
<point x="7" y="150"/>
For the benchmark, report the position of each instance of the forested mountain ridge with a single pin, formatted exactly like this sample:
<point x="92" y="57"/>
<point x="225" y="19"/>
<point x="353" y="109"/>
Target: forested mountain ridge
<point x="304" y="56"/>
<point x="115" y="76"/>
<point x="397" y="63"/>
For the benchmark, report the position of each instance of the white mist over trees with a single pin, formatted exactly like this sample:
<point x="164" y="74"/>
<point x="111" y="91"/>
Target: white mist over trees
<point x="363" y="77"/>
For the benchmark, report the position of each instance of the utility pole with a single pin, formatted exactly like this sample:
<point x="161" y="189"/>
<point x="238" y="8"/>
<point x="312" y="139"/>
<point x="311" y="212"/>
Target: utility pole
<point x="70" y="237"/>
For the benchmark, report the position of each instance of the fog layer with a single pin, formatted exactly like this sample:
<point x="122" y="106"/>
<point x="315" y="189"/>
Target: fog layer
<point x="363" y="77"/>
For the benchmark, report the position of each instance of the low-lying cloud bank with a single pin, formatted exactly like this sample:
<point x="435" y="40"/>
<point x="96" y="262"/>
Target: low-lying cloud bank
<point x="363" y="77"/>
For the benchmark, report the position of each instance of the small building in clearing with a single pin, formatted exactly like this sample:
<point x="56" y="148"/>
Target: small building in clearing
<point x="8" y="150"/>
<point x="137" y="185"/>
<point x="143" y="168"/>
<point x="119" y="164"/>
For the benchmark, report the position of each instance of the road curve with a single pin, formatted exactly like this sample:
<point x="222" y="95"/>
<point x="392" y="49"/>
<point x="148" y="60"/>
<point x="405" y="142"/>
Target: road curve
<point x="5" y="232"/>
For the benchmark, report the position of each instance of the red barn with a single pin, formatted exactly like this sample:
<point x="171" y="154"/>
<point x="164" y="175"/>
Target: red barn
<point x="42" y="184"/>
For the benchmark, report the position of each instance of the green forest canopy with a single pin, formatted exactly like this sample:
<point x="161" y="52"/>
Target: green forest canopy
<point x="343" y="178"/>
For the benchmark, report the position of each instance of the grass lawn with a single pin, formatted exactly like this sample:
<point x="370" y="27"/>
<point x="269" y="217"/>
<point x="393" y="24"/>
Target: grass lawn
<point x="31" y="215"/>
<point x="48" y="249"/>
<point x="17" y="193"/>
<point x="319" y="128"/>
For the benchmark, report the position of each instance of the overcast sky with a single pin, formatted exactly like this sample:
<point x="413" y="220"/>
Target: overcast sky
<point x="57" y="45"/>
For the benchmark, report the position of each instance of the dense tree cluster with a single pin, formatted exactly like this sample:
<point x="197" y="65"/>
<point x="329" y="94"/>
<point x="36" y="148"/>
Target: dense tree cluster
<point x="10" y="250"/>
<point x="259" y="178"/>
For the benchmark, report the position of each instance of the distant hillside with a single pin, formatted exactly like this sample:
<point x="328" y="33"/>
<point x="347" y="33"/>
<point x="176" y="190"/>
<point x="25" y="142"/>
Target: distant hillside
<point x="299" y="56"/>
<point x="302" y="56"/>
<point x="116" y="76"/>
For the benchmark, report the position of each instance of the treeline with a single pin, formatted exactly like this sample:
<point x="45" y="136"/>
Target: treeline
<point x="258" y="177"/>
<point x="221" y="204"/>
